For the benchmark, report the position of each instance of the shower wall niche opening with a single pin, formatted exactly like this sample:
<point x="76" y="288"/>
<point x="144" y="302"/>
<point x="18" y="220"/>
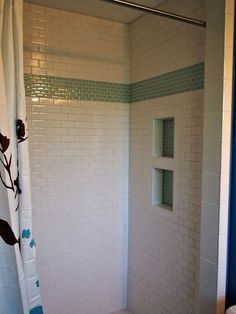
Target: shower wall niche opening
<point x="162" y="188"/>
<point x="163" y="137"/>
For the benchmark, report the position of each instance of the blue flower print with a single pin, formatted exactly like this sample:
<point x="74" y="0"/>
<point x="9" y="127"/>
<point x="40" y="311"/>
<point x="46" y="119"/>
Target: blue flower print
<point x="26" y="233"/>
<point x="36" y="310"/>
<point x="32" y="243"/>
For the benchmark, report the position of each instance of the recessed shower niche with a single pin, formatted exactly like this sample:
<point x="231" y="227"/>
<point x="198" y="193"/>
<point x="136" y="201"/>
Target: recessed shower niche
<point x="163" y="137"/>
<point x="162" y="187"/>
<point x="163" y="151"/>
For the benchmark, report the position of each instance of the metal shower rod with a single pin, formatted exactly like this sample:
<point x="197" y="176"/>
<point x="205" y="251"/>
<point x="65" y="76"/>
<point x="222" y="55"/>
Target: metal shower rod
<point x="162" y="13"/>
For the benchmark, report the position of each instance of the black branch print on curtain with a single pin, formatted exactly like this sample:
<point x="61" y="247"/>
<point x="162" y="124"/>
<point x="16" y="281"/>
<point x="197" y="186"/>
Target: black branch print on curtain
<point x="4" y="144"/>
<point x="6" y="233"/>
<point x="20" y="131"/>
<point x="21" y="136"/>
<point x="5" y="229"/>
<point x="17" y="184"/>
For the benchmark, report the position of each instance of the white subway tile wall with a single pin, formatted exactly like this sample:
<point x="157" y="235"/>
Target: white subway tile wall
<point x="66" y="44"/>
<point x="216" y="156"/>
<point x="79" y="166"/>
<point x="79" y="158"/>
<point x="164" y="246"/>
<point x="79" y="163"/>
<point x="163" y="273"/>
<point x="159" y="45"/>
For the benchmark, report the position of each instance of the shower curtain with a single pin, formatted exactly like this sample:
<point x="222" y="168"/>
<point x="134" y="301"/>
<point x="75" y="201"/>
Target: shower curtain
<point x="19" y="284"/>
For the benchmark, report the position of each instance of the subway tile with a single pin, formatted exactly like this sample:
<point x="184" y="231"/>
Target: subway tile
<point x="213" y="127"/>
<point x="209" y="246"/>
<point x="215" y="47"/>
<point x="207" y="301"/>
<point x="208" y="275"/>
<point x="75" y="181"/>
<point x="94" y="217"/>
<point x="212" y="158"/>
<point x="211" y="187"/>
<point x="210" y="217"/>
<point x="180" y="81"/>
<point x="65" y="88"/>
<point x="214" y="91"/>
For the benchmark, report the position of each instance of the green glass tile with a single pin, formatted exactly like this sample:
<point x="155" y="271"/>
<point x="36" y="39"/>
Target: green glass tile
<point x="179" y="81"/>
<point x="182" y="80"/>
<point x="66" y="88"/>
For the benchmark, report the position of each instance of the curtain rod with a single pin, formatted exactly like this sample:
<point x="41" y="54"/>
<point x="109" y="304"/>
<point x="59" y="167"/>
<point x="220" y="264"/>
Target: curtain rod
<point x="162" y="13"/>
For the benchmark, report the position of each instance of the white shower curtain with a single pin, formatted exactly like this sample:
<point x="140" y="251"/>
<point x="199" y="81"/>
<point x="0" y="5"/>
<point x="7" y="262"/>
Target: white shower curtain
<point x="19" y="284"/>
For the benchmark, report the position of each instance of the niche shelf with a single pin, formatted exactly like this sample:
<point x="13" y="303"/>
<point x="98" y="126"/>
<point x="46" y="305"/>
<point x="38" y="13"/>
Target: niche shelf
<point x="163" y="137"/>
<point x="162" y="188"/>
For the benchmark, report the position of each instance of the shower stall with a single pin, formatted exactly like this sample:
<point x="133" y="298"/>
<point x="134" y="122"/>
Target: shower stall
<point x="128" y="115"/>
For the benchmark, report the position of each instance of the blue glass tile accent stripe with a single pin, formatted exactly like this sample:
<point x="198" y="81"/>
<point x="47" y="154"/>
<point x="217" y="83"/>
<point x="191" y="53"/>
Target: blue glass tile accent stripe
<point x="179" y="81"/>
<point x="68" y="88"/>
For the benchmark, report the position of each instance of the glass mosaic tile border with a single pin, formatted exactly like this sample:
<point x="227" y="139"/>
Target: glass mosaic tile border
<point x="68" y="88"/>
<point x="179" y="81"/>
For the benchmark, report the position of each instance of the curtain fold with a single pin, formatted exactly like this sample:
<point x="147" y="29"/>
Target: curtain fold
<point x="19" y="283"/>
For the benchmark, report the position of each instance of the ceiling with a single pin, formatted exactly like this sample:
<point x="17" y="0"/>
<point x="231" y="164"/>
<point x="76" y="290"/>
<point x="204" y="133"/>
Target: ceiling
<point x="99" y="8"/>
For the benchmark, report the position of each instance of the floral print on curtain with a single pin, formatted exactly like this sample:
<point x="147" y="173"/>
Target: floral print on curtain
<point x="12" y="184"/>
<point x="17" y="244"/>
